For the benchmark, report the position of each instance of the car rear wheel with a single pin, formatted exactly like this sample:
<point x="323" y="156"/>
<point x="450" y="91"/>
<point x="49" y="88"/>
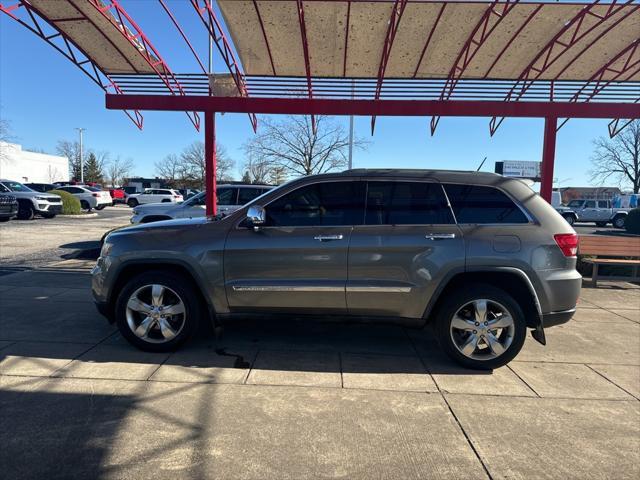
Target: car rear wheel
<point x="570" y="219"/>
<point x="132" y="202"/>
<point x="157" y="311"/>
<point x="481" y="327"/>
<point x="100" y="207"/>
<point x="84" y="205"/>
<point x="619" y="221"/>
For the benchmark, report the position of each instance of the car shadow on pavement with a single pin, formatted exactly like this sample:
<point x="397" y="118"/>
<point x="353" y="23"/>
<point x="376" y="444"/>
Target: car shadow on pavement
<point x="88" y="250"/>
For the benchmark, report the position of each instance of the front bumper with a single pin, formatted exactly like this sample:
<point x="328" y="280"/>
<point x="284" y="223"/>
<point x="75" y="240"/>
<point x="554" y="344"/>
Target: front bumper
<point x="50" y="208"/>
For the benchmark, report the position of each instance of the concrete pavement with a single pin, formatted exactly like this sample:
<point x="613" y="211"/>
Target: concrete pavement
<point x="321" y="400"/>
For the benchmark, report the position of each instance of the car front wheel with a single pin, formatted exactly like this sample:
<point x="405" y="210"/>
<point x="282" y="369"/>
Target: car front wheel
<point x="570" y="219"/>
<point x="619" y="221"/>
<point x="481" y="327"/>
<point x="157" y="311"/>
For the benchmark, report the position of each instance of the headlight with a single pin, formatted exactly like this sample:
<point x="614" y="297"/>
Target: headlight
<point x="44" y="199"/>
<point x="135" y="212"/>
<point x="106" y="249"/>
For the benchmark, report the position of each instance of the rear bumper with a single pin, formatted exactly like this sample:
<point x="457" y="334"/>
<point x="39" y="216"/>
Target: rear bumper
<point x="557" y="318"/>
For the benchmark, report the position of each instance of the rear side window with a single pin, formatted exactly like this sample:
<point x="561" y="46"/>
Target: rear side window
<point x="332" y="203"/>
<point x="482" y="205"/>
<point x="226" y="196"/>
<point x="603" y="204"/>
<point x="245" y="195"/>
<point x="406" y="203"/>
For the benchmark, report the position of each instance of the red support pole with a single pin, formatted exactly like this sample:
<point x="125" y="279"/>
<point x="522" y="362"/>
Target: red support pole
<point x="210" y="162"/>
<point x="548" y="158"/>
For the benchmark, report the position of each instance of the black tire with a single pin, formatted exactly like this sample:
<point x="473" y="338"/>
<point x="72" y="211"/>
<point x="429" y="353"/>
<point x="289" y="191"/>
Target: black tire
<point x="601" y="224"/>
<point x="25" y="211"/>
<point x="100" y="207"/>
<point x="132" y="202"/>
<point x="570" y="219"/>
<point x="458" y="299"/>
<point x="84" y="205"/>
<point x="178" y="285"/>
<point x="4" y="219"/>
<point x="48" y="215"/>
<point x="619" y="221"/>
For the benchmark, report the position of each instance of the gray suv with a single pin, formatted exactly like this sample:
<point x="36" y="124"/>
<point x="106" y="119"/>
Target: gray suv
<point x="479" y="255"/>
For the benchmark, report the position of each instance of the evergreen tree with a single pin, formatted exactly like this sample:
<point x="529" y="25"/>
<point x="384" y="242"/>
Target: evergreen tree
<point x="246" y="178"/>
<point x="93" y="170"/>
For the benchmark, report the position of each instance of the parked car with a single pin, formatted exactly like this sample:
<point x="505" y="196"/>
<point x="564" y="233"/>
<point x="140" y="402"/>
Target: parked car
<point x="598" y="211"/>
<point x="479" y="255"/>
<point x="30" y="202"/>
<point x="187" y="193"/>
<point x="90" y="197"/>
<point x="117" y="195"/>
<point x="8" y="207"/>
<point x="41" y="187"/>
<point x="229" y="197"/>
<point x="154" y="195"/>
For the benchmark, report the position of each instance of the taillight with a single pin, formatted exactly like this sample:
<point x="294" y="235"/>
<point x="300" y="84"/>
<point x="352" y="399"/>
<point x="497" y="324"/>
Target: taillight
<point x="568" y="243"/>
<point x="95" y="195"/>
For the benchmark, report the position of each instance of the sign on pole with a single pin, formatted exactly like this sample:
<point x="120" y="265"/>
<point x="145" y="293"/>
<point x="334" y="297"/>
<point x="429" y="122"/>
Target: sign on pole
<point x="519" y="169"/>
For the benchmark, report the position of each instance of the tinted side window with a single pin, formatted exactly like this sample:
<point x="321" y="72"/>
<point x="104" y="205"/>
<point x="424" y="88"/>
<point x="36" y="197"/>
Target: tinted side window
<point x="406" y="203"/>
<point x="333" y="203"/>
<point x="478" y="204"/>
<point x="590" y="204"/>
<point x="603" y="204"/>
<point x="227" y="196"/>
<point x="245" y="195"/>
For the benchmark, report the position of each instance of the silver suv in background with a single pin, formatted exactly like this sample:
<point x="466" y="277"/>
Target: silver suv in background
<point x="598" y="211"/>
<point x="230" y="198"/>
<point x="30" y="202"/>
<point x="480" y="256"/>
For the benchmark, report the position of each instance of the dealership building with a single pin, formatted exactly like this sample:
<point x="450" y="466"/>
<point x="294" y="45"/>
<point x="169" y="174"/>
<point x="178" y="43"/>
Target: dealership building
<point x="24" y="166"/>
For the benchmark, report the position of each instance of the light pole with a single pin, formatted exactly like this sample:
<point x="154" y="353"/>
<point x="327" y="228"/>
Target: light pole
<point x="80" y="130"/>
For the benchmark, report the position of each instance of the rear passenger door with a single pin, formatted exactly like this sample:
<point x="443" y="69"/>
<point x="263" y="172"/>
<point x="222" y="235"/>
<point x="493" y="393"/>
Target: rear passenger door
<point x="406" y="245"/>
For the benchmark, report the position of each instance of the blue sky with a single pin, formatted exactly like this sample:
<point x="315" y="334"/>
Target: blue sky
<point x="44" y="97"/>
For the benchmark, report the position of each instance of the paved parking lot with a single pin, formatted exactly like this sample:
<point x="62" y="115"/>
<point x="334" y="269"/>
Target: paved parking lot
<point x="319" y="400"/>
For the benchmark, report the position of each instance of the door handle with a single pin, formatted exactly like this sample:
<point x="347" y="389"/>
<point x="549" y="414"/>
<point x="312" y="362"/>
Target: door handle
<point x="327" y="238"/>
<point x="439" y="236"/>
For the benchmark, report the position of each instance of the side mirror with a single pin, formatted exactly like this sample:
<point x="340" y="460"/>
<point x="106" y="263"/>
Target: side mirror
<point x="255" y="216"/>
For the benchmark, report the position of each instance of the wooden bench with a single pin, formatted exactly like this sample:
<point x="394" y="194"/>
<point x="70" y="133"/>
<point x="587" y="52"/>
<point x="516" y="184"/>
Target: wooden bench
<point x="613" y="247"/>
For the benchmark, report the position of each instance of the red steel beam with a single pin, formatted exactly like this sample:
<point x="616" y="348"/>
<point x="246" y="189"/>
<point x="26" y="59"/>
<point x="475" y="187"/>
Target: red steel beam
<point x="628" y="69"/>
<point x="399" y="108"/>
<point x="548" y="158"/>
<point x="86" y="64"/>
<point x="394" y="22"/>
<point x="213" y="26"/>
<point x="210" y="164"/>
<point x="490" y="19"/>
<point x="112" y="11"/>
<point x="307" y="61"/>
<point x="571" y="33"/>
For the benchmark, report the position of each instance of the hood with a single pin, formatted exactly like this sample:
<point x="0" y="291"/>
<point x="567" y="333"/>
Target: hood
<point x="165" y="224"/>
<point x="34" y="194"/>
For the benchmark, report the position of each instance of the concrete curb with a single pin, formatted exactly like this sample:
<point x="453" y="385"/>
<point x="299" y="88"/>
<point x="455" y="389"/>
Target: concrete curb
<point x="82" y="215"/>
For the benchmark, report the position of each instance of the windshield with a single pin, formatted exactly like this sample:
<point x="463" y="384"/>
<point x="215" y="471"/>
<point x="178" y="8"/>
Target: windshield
<point x="575" y="203"/>
<point x="16" y="187"/>
<point x="94" y="189"/>
<point x="195" y="200"/>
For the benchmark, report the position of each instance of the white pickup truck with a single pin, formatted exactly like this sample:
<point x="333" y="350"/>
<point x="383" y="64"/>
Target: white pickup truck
<point x="598" y="211"/>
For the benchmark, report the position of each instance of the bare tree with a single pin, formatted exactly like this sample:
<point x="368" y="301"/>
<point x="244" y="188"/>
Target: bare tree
<point x="258" y="170"/>
<point x="118" y="169"/>
<point x="618" y="158"/>
<point x="53" y="174"/>
<point x="5" y="136"/>
<point x="193" y="163"/>
<point x="293" y="145"/>
<point x="71" y="150"/>
<point x="170" y="168"/>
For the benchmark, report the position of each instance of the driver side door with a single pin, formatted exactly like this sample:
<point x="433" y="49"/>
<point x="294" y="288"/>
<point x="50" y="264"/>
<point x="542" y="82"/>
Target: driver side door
<point x="297" y="261"/>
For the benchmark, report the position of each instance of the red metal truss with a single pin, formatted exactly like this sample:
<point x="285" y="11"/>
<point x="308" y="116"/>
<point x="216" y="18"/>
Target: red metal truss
<point x="568" y="36"/>
<point x="113" y="11"/>
<point x="491" y="18"/>
<point x="613" y="70"/>
<point x="264" y="35"/>
<point x="213" y="26"/>
<point x="305" y="51"/>
<point x="614" y="125"/>
<point x="39" y="25"/>
<point x="394" y="22"/>
<point x="428" y="41"/>
<point x="182" y="34"/>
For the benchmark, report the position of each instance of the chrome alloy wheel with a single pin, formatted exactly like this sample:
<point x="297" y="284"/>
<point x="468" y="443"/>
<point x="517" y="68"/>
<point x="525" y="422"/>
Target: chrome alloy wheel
<point x="155" y="313"/>
<point x="482" y="329"/>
